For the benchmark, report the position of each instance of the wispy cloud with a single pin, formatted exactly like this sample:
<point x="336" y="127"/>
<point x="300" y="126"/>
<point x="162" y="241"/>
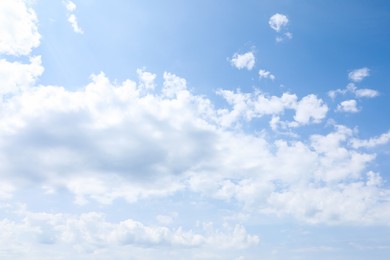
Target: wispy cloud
<point x="265" y="74"/>
<point x="72" y="19"/>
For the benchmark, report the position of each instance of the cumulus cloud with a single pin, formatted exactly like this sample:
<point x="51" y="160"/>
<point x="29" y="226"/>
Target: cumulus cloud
<point x="115" y="141"/>
<point x="266" y="74"/>
<point x="278" y="21"/>
<point x="135" y="142"/>
<point x="17" y="16"/>
<point x="16" y="76"/>
<point x="348" y="106"/>
<point x="359" y="74"/>
<point x="72" y="19"/>
<point x="243" y="61"/>
<point x="310" y="109"/>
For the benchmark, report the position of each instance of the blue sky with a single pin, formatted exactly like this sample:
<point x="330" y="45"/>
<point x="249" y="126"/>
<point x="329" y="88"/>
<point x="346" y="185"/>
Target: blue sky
<point x="194" y="129"/>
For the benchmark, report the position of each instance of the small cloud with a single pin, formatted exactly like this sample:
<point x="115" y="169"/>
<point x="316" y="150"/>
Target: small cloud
<point x="351" y="88"/>
<point x="288" y="35"/>
<point x="359" y="74"/>
<point x="278" y="21"/>
<point x="266" y="74"/>
<point x="348" y="106"/>
<point x="366" y="92"/>
<point x="72" y="19"/>
<point x="70" y="6"/>
<point x="146" y="79"/>
<point x="241" y="61"/>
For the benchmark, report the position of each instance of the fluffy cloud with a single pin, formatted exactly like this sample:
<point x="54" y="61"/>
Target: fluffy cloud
<point x="243" y="61"/>
<point x="266" y="74"/>
<point x="348" y="106"/>
<point x="72" y="19"/>
<point x="16" y="16"/>
<point x="16" y="76"/>
<point x="278" y="21"/>
<point x="359" y="74"/>
<point x="310" y="109"/>
<point x="113" y="141"/>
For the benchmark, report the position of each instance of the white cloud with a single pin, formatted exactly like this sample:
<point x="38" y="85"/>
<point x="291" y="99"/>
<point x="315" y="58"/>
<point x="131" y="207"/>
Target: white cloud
<point x="310" y="109"/>
<point x="351" y="88"/>
<point x="91" y="234"/>
<point x="278" y="21"/>
<point x="72" y="19"/>
<point x="372" y="142"/>
<point x="70" y="6"/>
<point x="146" y="79"/>
<point x="16" y="16"/>
<point x="96" y="142"/>
<point x="348" y="106"/>
<point x="249" y="106"/>
<point x="366" y="92"/>
<point x="266" y="74"/>
<point x="241" y="61"/>
<point x="16" y="76"/>
<point x="359" y="74"/>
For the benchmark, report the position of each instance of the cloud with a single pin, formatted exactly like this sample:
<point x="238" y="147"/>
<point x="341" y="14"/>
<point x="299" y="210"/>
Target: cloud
<point x="248" y="106"/>
<point x="16" y="76"/>
<point x="91" y="234"/>
<point x="348" y="106"/>
<point x="16" y="16"/>
<point x="146" y="79"/>
<point x="372" y="142"/>
<point x="359" y="74"/>
<point x="72" y="19"/>
<point x="351" y="88"/>
<point x="365" y="92"/>
<point x="70" y="6"/>
<point x="115" y="141"/>
<point x="310" y="109"/>
<point x="278" y="21"/>
<point x="241" y="61"/>
<point x="266" y="74"/>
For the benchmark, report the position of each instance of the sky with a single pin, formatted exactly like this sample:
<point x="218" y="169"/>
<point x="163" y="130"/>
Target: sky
<point x="255" y="129"/>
